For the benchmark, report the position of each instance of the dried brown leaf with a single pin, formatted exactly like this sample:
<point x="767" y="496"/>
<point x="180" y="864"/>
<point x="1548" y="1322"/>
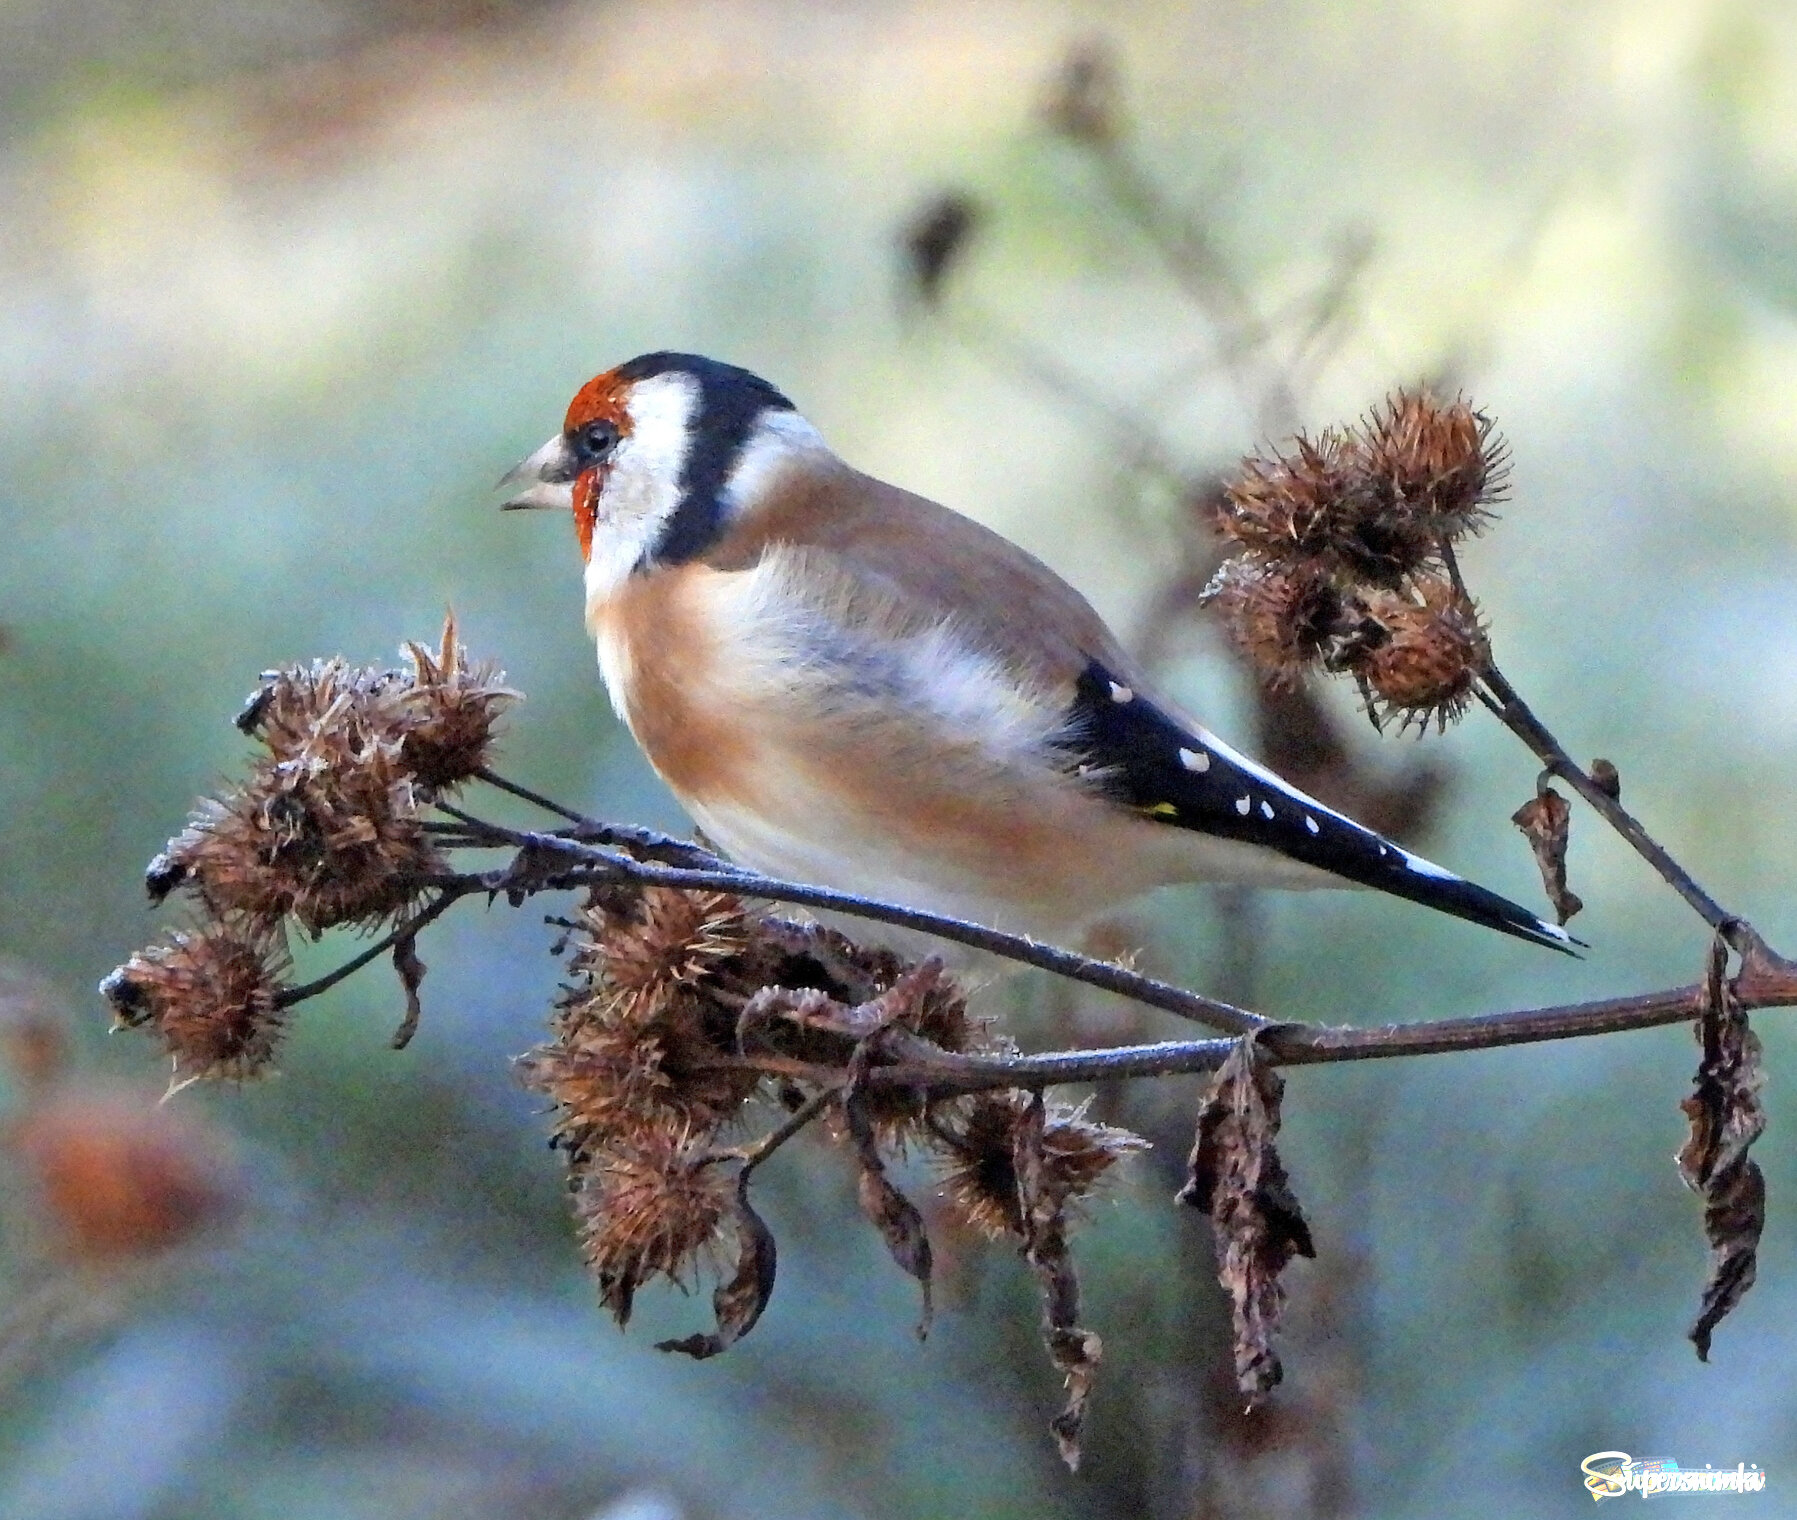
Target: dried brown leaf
<point x="1042" y="1211"/>
<point x="411" y="976"/>
<point x="890" y="1211"/>
<point x="738" y="1303"/>
<point x="1238" y="1180"/>
<point x="1726" y="1116"/>
<point x="1546" y="822"/>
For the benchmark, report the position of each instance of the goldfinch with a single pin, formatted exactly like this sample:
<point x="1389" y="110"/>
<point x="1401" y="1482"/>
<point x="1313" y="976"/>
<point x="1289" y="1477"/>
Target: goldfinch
<point x="849" y="685"/>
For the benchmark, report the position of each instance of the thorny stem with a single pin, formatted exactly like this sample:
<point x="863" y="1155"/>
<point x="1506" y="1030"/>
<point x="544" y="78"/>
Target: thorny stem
<point x="1502" y="699"/>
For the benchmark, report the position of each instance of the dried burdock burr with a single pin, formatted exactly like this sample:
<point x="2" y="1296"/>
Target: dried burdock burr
<point x="1436" y="466"/>
<point x="326" y="828"/>
<point x="1286" y="617"/>
<point x="116" y="1179"/>
<point x="451" y="710"/>
<point x="1375" y="505"/>
<point x="651" y="1206"/>
<point x="1433" y="651"/>
<point x="640" y="1041"/>
<point x="975" y="1141"/>
<point x="211" y="993"/>
<point x="327" y="841"/>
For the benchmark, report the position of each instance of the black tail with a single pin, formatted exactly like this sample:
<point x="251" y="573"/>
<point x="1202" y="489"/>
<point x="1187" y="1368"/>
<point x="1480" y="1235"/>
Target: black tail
<point x="1180" y="774"/>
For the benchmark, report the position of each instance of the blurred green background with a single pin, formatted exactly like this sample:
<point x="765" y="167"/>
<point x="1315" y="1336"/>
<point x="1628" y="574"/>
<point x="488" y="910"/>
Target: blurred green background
<point x="284" y="287"/>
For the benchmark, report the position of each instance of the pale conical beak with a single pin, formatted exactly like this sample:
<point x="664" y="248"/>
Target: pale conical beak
<point x="547" y="477"/>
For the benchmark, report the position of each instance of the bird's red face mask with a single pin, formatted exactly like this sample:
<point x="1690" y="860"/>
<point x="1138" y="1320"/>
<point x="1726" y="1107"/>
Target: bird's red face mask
<point x="569" y="470"/>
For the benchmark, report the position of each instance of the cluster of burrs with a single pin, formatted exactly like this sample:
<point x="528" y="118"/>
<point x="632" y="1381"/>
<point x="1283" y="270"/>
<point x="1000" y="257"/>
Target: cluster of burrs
<point x="1345" y="556"/>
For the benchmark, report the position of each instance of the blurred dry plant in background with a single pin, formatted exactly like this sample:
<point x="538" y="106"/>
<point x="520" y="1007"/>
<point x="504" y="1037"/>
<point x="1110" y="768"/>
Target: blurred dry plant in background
<point x="105" y="1186"/>
<point x="697" y="1032"/>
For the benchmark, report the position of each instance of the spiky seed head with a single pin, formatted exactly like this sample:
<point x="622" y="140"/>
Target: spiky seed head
<point x="650" y="1207"/>
<point x="330" y="839"/>
<point x="449" y="710"/>
<point x="1438" y="464"/>
<point x="1434" y="650"/>
<point x="211" y="994"/>
<point x="1283" y="616"/>
<point x="977" y="1151"/>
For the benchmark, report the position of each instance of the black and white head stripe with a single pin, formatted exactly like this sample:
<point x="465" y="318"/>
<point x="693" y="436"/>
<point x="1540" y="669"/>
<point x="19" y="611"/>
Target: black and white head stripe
<point x="730" y="400"/>
<point x="1186" y="777"/>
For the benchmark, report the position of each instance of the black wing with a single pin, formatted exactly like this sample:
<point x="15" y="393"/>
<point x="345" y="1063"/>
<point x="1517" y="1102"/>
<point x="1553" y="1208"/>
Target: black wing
<point x="1181" y="775"/>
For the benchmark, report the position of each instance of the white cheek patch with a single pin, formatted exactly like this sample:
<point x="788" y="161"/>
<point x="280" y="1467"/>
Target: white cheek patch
<point x="642" y="480"/>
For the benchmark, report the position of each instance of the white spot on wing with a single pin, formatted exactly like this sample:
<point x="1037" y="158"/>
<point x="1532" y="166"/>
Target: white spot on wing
<point x="1266" y="810"/>
<point x="1277" y="783"/>
<point x="1242" y="804"/>
<point x="1121" y="694"/>
<point x="1311" y="824"/>
<point x="1194" y="759"/>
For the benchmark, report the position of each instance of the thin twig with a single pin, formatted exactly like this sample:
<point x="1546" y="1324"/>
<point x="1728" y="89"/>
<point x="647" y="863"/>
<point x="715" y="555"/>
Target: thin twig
<point x="1766" y="980"/>
<point x="596" y="865"/>
<point x="536" y="799"/>
<point x="1309" y="1044"/>
<point x="647" y="843"/>
<point x="449" y="894"/>
<point x="1502" y="699"/>
<point x="799" y="1119"/>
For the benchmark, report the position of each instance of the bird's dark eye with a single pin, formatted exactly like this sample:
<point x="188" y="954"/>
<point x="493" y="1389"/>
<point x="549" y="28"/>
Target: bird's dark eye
<point x="594" y="441"/>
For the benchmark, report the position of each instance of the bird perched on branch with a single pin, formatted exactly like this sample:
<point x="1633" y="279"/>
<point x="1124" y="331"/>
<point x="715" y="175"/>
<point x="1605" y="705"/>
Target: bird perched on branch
<point x="850" y="685"/>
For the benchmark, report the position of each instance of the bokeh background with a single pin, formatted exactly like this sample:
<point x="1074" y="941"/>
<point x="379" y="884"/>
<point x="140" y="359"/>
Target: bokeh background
<point x="283" y="287"/>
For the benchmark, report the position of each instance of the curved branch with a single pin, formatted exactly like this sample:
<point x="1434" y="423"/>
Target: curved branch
<point x="1311" y="1044"/>
<point x="592" y="865"/>
<point x="1766" y="980"/>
